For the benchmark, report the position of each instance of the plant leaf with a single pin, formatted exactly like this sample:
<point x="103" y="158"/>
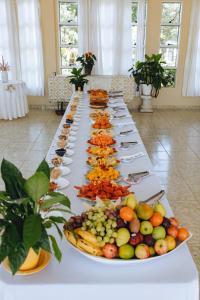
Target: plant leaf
<point x="57" y="219"/>
<point x="56" y="198"/>
<point x="44" y="167"/>
<point x="13" y="179"/>
<point x="32" y="230"/>
<point x="58" y="229"/>
<point x="44" y="241"/>
<point x="16" y="257"/>
<point x="37" y="185"/>
<point x="56" y="249"/>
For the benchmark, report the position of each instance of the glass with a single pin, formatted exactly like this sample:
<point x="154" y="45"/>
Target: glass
<point x="68" y="56"/>
<point x="69" y="35"/>
<point x="66" y="72"/>
<point x="169" y="55"/>
<point x="68" y="12"/>
<point x="134" y="11"/>
<point x="172" y="73"/>
<point x="134" y="35"/>
<point x="171" y="13"/>
<point x="169" y="35"/>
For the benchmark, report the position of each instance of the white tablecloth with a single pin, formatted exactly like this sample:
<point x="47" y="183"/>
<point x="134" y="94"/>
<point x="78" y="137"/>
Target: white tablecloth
<point x="172" y="277"/>
<point x="13" y="100"/>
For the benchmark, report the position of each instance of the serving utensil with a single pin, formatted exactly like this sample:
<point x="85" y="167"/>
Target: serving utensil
<point x="130" y="158"/>
<point x="156" y="197"/>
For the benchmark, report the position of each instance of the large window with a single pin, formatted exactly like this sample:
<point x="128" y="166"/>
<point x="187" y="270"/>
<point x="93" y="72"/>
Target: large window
<point x="134" y="19"/>
<point x="68" y="34"/>
<point x="170" y="34"/>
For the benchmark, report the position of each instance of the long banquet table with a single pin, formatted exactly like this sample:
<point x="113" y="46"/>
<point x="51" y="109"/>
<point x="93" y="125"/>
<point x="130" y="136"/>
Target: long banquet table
<point x="173" y="277"/>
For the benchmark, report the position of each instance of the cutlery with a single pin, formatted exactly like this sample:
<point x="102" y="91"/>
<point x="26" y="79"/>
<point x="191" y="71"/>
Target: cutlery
<point x="125" y="132"/>
<point x="137" y="177"/>
<point x="129" y="158"/>
<point x="122" y="116"/>
<point x="156" y="197"/>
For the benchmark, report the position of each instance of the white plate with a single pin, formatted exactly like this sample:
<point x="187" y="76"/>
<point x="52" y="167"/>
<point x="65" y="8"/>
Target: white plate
<point x="70" y="145"/>
<point x="62" y="183"/>
<point x="67" y="160"/>
<point x="75" y="123"/>
<point x="74" y="128"/>
<point x="69" y="152"/>
<point x="118" y="261"/>
<point x="77" y="119"/>
<point x="72" y="138"/>
<point x="64" y="170"/>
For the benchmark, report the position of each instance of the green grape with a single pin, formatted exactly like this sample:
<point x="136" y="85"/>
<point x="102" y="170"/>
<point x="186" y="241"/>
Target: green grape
<point x="99" y="238"/>
<point x="114" y="234"/>
<point x="112" y="240"/>
<point x="108" y="226"/>
<point x="109" y="221"/>
<point x="89" y="216"/>
<point x="106" y="239"/>
<point x="93" y="231"/>
<point x="102" y="244"/>
<point x="114" y="224"/>
<point x="102" y="233"/>
<point x="83" y="228"/>
<point x="109" y="232"/>
<point x="98" y="228"/>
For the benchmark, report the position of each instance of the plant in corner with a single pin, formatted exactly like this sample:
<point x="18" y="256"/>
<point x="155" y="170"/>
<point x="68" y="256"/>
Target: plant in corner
<point x="78" y="79"/>
<point x="87" y="61"/>
<point x="24" y="215"/>
<point x="150" y="75"/>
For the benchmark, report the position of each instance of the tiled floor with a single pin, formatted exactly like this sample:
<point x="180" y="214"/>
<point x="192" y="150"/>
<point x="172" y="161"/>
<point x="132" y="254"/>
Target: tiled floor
<point x="172" y="139"/>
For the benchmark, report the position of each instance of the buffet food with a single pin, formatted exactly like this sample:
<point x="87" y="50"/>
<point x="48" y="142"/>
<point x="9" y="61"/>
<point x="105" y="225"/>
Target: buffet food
<point x="102" y="122"/>
<point x="101" y="151"/>
<point x="103" y="173"/>
<point x="103" y="161"/>
<point x="101" y="140"/>
<point x="128" y="231"/>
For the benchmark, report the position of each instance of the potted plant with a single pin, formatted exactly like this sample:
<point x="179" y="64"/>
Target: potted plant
<point x="87" y="61"/>
<point x="150" y="76"/>
<point x="26" y="208"/>
<point x="4" y="68"/>
<point x="78" y="79"/>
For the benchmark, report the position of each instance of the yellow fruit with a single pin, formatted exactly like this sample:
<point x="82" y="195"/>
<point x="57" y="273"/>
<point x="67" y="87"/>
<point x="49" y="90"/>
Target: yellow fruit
<point x="87" y="236"/>
<point x="70" y="237"/>
<point x="89" y="248"/>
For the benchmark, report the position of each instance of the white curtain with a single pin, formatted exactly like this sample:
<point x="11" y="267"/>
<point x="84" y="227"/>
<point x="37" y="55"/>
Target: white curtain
<point x="9" y="47"/>
<point x="105" y="30"/>
<point x="140" y="43"/>
<point x="191" y="82"/>
<point x="30" y="42"/>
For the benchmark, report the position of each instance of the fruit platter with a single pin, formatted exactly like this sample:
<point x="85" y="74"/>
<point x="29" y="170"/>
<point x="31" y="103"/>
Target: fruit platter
<point x="101" y="151"/>
<point x="131" y="232"/>
<point x="103" y="161"/>
<point x="103" y="173"/>
<point x="101" y="140"/>
<point x="102" y="122"/>
<point x="105" y="190"/>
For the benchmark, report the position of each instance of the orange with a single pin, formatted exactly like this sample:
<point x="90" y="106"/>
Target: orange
<point x="127" y="213"/>
<point x="183" y="234"/>
<point x="173" y="231"/>
<point x="156" y="219"/>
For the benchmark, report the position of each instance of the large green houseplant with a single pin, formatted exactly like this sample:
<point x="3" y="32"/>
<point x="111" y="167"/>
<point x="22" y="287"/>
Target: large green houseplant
<point x="24" y="214"/>
<point x="150" y="74"/>
<point x="78" y="79"/>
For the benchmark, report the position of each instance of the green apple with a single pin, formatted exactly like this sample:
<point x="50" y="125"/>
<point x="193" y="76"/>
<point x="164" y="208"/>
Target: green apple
<point x="146" y="227"/>
<point x="144" y="211"/>
<point x="142" y="251"/>
<point x="126" y="251"/>
<point x="159" y="233"/>
<point x="123" y="236"/>
<point x="130" y="201"/>
<point x="158" y="207"/>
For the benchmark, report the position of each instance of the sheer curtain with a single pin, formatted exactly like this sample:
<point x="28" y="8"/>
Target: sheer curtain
<point x="141" y="16"/>
<point x="9" y="47"/>
<point x="30" y="43"/>
<point x="191" y="82"/>
<point x="105" y="30"/>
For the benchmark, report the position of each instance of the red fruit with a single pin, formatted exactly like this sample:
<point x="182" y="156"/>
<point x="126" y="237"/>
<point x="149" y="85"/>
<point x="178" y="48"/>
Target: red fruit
<point x="110" y="251"/>
<point x="174" y="222"/>
<point x="136" y="239"/>
<point x="183" y="234"/>
<point x="173" y="231"/>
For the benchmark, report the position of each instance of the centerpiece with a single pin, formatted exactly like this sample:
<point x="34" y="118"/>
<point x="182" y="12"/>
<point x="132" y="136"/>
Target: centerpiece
<point x="87" y="61"/>
<point x="78" y="79"/>
<point x="27" y="212"/>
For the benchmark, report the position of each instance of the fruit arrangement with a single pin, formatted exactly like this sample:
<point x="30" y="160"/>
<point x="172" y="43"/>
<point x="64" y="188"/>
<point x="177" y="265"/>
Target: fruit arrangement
<point x="102" y="122"/>
<point x="103" y="162"/>
<point x="105" y="173"/>
<point x="102" y="131"/>
<point x="101" y="151"/>
<point x="128" y="231"/>
<point x="97" y="114"/>
<point x="102" y="140"/>
<point x="105" y="190"/>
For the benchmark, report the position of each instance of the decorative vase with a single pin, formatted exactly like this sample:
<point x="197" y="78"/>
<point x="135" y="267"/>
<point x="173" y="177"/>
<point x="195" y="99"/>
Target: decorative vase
<point x="31" y="260"/>
<point x="88" y="70"/>
<point x="146" y="89"/>
<point x="4" y="76"/>
<point x="146" y="104"/>
<point x="79" y="88"/>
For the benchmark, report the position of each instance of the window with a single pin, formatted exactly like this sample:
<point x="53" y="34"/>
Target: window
<point x="170" y="35"/>
<point x="68" y="34"/>
<point x="134" y="19"/>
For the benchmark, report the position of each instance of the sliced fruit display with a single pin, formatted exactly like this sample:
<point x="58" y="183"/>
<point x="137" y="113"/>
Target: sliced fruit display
<point x="102" y="122"/>
<point x="101" y="140"/>
<point x="101" y="151"/>
<point x="103" y="162"/>
<point x="105" y="173"/>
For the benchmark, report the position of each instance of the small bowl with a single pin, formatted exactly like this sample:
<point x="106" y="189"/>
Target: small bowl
<point x="69" y="121"/>
<point x="60" y="152"/>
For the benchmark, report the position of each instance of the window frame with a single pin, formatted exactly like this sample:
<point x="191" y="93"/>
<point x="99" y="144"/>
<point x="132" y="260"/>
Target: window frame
<point x="61" y="45"/>
<point x="179" y="25"/>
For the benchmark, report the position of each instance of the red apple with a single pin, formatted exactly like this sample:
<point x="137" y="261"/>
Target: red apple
<point x="161" y="247"/>
<point x="142" y="251"/>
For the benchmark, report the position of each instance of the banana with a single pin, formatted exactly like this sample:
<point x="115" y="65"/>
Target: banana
<point x="87" y="236"/>
<point x="71" y="237"/>
<point x="89" y="248"/>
